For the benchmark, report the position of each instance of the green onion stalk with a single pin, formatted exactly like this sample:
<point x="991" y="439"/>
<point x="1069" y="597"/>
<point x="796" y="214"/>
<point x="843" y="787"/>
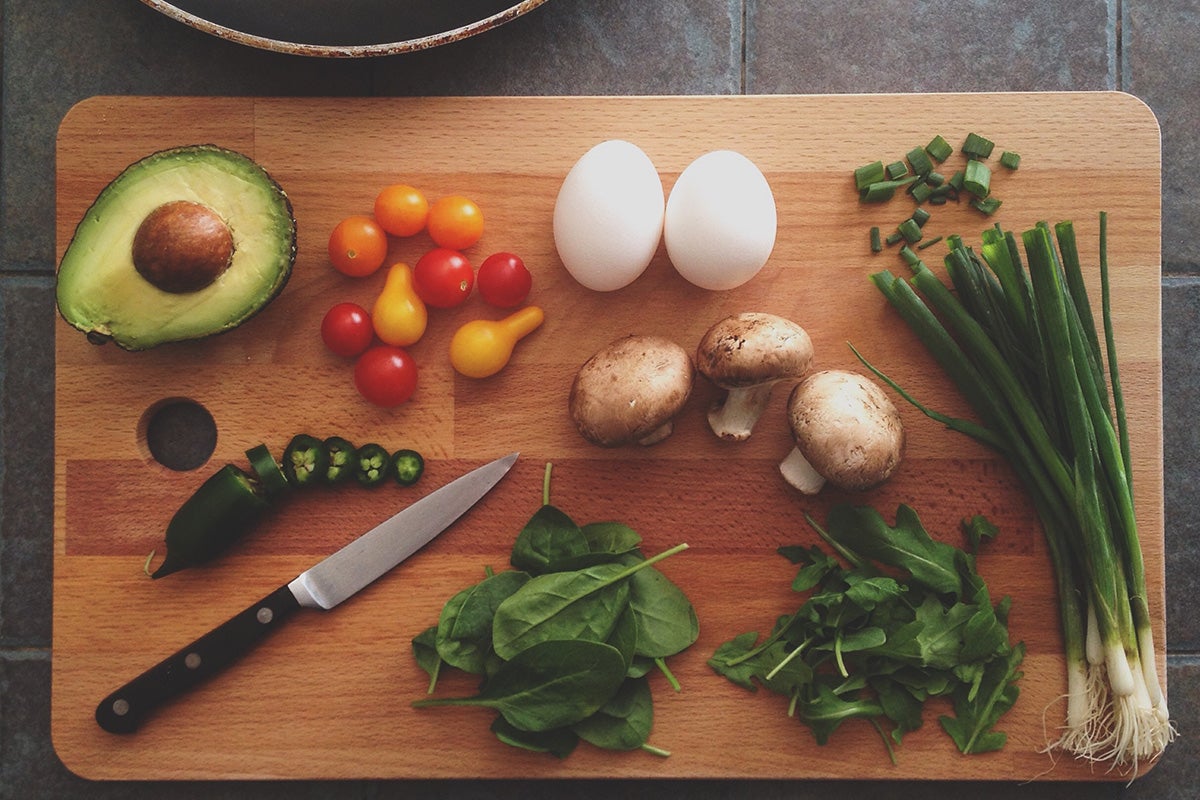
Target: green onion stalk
<point x="1023" y="348"/>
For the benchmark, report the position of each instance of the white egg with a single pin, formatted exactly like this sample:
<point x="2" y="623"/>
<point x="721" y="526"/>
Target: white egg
<point x="608" y="217"/>
<point x="720" y="221"/>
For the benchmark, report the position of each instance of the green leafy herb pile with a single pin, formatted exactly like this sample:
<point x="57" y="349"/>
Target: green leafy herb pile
<point x="565" y="640"/>
<point x="908" y="619"/>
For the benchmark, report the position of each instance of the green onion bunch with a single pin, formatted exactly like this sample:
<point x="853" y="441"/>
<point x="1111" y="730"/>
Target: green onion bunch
<point x="1023" y="348"/>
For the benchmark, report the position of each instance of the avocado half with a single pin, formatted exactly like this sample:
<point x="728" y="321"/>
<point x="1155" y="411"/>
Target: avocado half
<point x="183" y="244"/>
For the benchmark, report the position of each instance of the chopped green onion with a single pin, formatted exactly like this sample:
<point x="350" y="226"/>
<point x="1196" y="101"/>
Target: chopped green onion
<point x="978" y="179"/>
<point x="867" y="174"/>
<point x="977" y="147"/>
<point x="893" y="238"/>
<point x="1010" y="159"/>
<point x="921" y="192"/>
<point x="919" y="161"/>
<point x="921" y="216"/>
<point x="935" y="179"/>
<point x="939" y="149"/>
<point x="896" y="170"/>
<point x="910" y="257"/>
<point x="929" y="243"/>
<point x="910" y="230"/>
<point x="881" y="191"/>
<point x="987" y="205"/>
<point x="876" y="241"/>
<point x="956" y="180"/>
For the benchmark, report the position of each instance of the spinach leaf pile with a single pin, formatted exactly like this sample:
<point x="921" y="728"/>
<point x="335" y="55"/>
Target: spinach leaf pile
<point x="564" y="641"/>
<point x="908" y="619"/>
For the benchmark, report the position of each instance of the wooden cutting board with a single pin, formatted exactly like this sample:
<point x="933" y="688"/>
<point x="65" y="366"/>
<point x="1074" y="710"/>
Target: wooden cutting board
<point x="330" y="695"/>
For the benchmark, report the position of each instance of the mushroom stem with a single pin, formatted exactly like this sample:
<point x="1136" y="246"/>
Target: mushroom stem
<point x="658" y="434"/>
<point x="800" y="474"/>
<point x="733" y="416"/>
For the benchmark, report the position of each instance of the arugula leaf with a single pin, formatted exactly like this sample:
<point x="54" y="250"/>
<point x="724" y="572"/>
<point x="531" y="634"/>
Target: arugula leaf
<point x="862" y="530"/>
<point x="910" y="618"/>
<point x="975" y="714"/>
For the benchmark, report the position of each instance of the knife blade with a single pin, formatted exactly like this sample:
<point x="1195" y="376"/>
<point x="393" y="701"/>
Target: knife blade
<point x="322" y="586"/>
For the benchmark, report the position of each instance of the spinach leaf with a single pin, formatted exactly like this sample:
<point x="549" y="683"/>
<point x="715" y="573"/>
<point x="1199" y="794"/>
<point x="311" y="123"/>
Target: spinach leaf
<point x="666" y="620"/>
<point x="624" y="722"/>
<point x="558" y="742"/>
<point x="549" y="685"/>
<point x="625" y="636"/>
<point x="562" y="605"/>
<point x="464" y="630"/>
<point x="424" y="647"/>
<point x="549" y="539"/>
<point x="566" y="605"/>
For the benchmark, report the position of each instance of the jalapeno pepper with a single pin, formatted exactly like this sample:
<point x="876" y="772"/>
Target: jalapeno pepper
<point x="221" y="510"/>
<point x="305" y="460"/>
<point x="267" y="469"/>
<point x="407" y="466"/>
<point x="341" y="460"/>
<point x="371" y="465"/>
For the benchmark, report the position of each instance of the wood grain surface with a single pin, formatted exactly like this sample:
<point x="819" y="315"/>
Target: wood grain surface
<point x="330" y="695"/>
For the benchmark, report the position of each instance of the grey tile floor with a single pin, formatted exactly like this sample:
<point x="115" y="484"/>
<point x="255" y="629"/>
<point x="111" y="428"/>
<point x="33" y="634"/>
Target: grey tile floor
<point x="57" y="52"/>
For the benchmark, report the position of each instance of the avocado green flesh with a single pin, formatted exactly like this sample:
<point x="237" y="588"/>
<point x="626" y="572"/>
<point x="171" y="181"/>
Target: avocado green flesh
<point x="101" y="292"/>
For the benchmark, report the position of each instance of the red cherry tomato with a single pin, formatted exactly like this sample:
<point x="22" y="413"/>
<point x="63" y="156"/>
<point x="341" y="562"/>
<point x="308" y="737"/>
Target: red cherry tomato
<point x="346" y="329"/>
<point x="443" y="278"/>
<point x="504" y="281"/>
<point x="386" y="376"/>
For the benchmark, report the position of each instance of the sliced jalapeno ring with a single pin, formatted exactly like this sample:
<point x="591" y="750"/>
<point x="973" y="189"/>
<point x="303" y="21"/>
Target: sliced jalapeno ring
<point x="371" y="464"/>
<point x="305" y="460"/>
<point x="267" y="469"/>
<point x="341" y="460"/>
<point x="407" y="466"/>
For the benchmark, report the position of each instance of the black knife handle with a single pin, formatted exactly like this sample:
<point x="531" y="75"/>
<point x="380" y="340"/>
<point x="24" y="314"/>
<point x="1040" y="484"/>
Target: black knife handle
<point x="123" y="710"/>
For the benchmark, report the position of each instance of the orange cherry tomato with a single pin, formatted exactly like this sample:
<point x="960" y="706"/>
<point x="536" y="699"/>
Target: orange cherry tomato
<point x="357" y="246"/>
<point x="455" y="222"/>
<point x="401" y="210"/>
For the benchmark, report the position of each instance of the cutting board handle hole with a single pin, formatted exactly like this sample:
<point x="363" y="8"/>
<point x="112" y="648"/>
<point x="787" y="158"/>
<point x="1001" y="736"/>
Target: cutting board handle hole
<point x="178" y="433"/>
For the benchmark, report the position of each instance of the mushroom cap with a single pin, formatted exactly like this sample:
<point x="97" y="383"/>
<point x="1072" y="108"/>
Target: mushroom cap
<point x="847" y="428"/>
<point x="630" y="389"/>
<point x="753" y="348"/>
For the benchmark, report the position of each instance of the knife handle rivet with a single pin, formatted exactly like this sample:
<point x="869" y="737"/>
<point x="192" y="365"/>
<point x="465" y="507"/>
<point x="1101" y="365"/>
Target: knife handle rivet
<point x="120" y="707"/>
<point x="191" y="660"/>
<point x="264" y="615"/>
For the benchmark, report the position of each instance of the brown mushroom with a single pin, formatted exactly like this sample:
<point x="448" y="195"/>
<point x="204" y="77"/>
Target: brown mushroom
<point x="846" y="430"/>
<point x="630" y="390"/>
<point x="746" y="355"/>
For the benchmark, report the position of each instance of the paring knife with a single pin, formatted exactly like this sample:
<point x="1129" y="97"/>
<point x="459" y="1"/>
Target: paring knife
<point x="322" y="586"/>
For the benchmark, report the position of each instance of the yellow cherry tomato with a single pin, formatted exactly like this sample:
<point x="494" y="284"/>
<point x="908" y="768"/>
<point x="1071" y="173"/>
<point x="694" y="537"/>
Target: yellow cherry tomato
<point x="482" y="347"/>
<point x="399" y="316"/>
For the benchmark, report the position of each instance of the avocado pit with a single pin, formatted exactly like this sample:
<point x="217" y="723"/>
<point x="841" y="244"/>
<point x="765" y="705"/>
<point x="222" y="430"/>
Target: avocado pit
<point x="182" y="247"/>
